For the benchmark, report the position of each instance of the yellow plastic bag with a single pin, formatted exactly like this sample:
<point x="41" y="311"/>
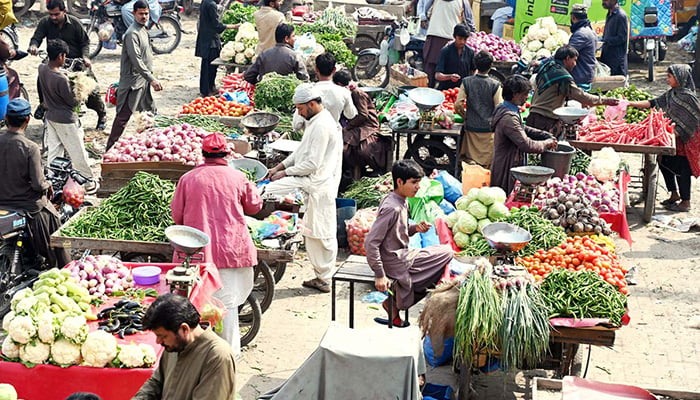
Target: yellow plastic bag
<point x="7" y="16"/>
<point x="474" y="176"/>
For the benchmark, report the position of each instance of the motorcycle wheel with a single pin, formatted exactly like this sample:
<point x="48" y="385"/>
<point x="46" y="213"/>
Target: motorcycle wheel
<point x="20" y="11"/>
<point x="368" y="72"/>
<point x="650" y="61"/>
<point x="5" y="262"/>
<point x="95" y="42"/>
<point x="9" y="39"/>
<point x="79" y="8"/>
<point x="165" y="35"/>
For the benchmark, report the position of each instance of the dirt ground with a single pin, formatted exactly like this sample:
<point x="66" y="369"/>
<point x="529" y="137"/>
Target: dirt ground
<point x="658" y="348"/>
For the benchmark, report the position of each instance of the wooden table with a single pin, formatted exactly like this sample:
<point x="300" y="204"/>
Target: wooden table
<point x="433" y="140"/>
<point x="650" y="173"/>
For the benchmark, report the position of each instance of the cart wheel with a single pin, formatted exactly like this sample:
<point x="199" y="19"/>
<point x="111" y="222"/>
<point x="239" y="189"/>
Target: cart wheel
<point x="651" y="175"/>
<point x="363" y="42"/>
<point x="264" y="285"/>
<point x="278" y="269"/>
<point x="143" y="257"/>
<point x="432" y="154"/>
<point x="249" y="319"/>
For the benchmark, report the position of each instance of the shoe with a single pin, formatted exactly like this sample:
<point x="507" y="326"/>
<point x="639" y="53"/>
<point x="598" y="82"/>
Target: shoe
<point x="397" y="322"/>
<point x="668" y="202"/>
<point x="40" y="111"/>
<point x="318" y="284"/>
<point x="101" y="123"/>
<point x="91" y="187"/>
<point x="676" y="208"/>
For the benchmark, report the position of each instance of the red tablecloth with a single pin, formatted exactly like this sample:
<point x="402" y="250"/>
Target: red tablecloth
<point x="49" y="382"/>
<point x="617" y="221"/>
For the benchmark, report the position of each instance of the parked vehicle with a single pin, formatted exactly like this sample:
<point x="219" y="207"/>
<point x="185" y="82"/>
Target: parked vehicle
<point x="20" y="7"/>
<point x="9" y="36"/>
<point x="650" y="25"/>
<point x="106" y="23"/>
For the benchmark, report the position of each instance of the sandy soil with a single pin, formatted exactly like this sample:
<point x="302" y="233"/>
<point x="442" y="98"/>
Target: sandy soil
<point x="657" y="349"/>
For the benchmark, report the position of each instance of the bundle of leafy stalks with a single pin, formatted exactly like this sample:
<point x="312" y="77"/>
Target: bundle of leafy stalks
<point x="236" y="14"/>
<point x="369" y="192"/>
<point x="276" y="92"/>
<point x="138" y="211"/>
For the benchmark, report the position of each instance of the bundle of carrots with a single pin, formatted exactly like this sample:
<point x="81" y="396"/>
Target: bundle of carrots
<point x="655" y="130"/>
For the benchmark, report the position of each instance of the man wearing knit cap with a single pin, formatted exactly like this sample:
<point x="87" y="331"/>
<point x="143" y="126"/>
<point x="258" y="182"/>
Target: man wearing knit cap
<point x="585" y="41"/>
<point x="215" y="198"/>
<point x="315" y="169"/>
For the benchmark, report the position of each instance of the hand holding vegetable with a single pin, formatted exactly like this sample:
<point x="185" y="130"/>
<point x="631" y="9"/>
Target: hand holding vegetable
<point x="382" y="284"/>
<point x="422" y="227"/>
<point x="610" y="101"/>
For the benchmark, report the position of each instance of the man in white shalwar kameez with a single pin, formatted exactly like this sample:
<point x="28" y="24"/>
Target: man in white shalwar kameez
<point x="315" y="169"/>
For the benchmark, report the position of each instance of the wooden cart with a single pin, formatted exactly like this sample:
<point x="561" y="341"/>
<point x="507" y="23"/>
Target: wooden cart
<point x="650" y="171"/>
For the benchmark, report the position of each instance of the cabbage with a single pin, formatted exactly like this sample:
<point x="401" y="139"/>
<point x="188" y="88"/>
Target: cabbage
<point x="466" y="224"/>
<point x="451" y="219"/>
<point x="477" y="209"/>
<point x="461" y="240"/>
<point x="498" y="211"/>
<point x="476" y="236"/>
<point x="498" y="194"/>
<point x="7" y="392"/>
<point x="482" y="223"/>
<point x="486" y="196"/>
<point x="462" y="203"/>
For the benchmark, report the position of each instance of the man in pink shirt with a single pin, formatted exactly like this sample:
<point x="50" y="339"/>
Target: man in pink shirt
<point x="214" y="198"/>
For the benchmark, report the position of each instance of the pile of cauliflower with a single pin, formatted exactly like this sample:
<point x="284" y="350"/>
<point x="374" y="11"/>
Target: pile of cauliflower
<point x="543" y="38"/>
<point x="38" y="335"/>
<point x="242" y="49"/>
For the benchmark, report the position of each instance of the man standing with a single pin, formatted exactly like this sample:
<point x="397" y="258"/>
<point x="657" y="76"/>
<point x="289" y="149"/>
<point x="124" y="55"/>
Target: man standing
<point x="281" y="59"/>
<point x="336" y="100"/>
<point x="208" y="45"/>
<point x="615" y="37"/>
<point x="267" y="18"/>
<point x="135" y="74"/>
<point x="445" y="15"/>
<point x="215" y="198"/>
<point x="196" y="364"/>
<point x="59" y="25"/>
<point x="584" y="40"/>
<point x="314" y="168"/>
<point x="63" y="131"/>
<point x="456" y="60"/>
<point x="24" y="186"/>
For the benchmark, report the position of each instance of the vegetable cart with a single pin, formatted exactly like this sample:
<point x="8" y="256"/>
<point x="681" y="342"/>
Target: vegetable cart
<point x="431" y="149"/>
<point x="650" y="171"/>
<point x="231" y="67"/>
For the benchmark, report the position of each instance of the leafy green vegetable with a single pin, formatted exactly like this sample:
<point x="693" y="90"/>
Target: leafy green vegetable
<point x="276" y="92"/>
<point x="236" y="14"/>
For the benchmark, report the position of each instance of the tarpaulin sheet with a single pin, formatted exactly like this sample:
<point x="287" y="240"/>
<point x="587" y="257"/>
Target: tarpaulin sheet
<point x="50" y="382"/>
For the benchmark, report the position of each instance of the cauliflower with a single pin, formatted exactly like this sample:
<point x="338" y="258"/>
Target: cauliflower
<point x="6" y="320"/>
<point x="26" y="292"/>
<point x="239" y="47"/>
<point x="548" y="23"/>
<point x="74" y="328"/>
<point x="22" y="329"/>
<point x="246" y="31"/>
<point x="534" y="45"/>
<point x="543" y="53"/>
<point x="99" y="349"/>
<point x="249" y="52"/>
<point x="240" y="58"/>
<point x="47" y="327"/>
<point x="10" y="349"/>
<point x="25" y="305"/>
<point x="562" y="36"/>
<point x="34" y="352"/>
<point x="551" y="43"/>
<point x="130" y="355"/>
<point x="63" y="352"/>
<point x="149" y="355"/>
<point x="527" y="55"/>
<point x="228" y="51"/>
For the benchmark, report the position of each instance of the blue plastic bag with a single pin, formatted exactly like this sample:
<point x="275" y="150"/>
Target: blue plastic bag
<point x="429" y="238"/>
<point x="415" y="241"/>
<point x="238" y="97"/>
<point x="447" y="207"/>
<point x="452" y="187"/>
<point x="444" y="358"/>
<point x="437" y="392"/>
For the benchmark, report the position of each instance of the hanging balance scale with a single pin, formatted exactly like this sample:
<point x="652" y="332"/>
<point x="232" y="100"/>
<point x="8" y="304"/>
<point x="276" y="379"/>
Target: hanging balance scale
<point x="571" y="117"/>
<point x="507" y="240"/>
<point x="426" y="100"/>
<point x="528" y="179"/>
<point x="188" y="243"/>
<point x="259" y="124"/>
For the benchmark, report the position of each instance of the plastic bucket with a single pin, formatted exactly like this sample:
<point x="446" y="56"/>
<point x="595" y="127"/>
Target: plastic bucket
<point x="345" y="210"/>
<point x="559" y="160"/>
<point x="4" y="95"/>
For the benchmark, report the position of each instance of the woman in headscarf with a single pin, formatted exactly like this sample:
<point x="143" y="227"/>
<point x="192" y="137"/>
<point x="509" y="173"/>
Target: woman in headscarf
<point x="681" y="105"/>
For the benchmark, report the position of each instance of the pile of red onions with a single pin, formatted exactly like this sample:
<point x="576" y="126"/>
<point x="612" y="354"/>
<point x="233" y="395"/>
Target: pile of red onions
<point x="181" y="143"/>
<point x="101" y="275"/>
<point x="605" y="198"/>
<point x="500" y="49"/>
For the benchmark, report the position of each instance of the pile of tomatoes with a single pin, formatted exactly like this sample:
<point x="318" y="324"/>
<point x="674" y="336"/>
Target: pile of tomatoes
<point x="576" y="254"/>
<point x="215" y="106"/>
<point x="450" y="98"/>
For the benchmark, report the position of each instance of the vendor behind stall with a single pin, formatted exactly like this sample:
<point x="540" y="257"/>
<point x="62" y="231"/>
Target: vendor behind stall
<point x="681" y="104"/>
<point x="281" y="59"/>
<point x="413" y="271"/>
<point x="555" y="86"/>
<point x="456" y="60"/>
<point x="512" y="139"/>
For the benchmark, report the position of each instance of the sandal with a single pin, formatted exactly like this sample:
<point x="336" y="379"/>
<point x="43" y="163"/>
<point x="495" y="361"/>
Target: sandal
<point x="318" y="284"/>
<point x="676" y="208"/>
<point x="669" y="201"/>
<point x="397" y="322"/>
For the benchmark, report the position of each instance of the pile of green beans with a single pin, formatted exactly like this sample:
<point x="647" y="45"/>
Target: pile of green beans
<point x="545" y="234"/>
<point x="138" y="211"/>
<point x="582" y="294"/>
<point x="478" y="248"/>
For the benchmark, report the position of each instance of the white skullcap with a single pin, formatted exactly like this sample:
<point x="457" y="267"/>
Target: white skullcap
<point x="304" y="93"/>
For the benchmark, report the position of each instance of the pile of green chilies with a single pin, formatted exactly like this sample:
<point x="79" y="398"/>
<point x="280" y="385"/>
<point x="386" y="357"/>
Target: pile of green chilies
<point x="138" y="211"/>
<point x="545" y="234"/>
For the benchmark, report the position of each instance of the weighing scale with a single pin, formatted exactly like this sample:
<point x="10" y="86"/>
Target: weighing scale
<point x="259" y="124"/>
<point x="426" y="100"/>
<point x="188" y="243"/>
<point x="507" y="239"/>
<point x="527" y="181"/>
<point x="571" y="117"/>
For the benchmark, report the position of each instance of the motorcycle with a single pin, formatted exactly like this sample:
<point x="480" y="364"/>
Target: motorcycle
<point x="105" y="27"/>
<point x="19" y="267"/>
<point x="650" y="25"/>
<point x="373" y="65"/>
<point x="20" y="7"/>
<point x="9" y="36"/>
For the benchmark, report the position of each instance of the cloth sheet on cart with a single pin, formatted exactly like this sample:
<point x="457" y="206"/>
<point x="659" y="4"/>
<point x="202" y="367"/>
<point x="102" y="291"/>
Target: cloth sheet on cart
<point x="50" y="382"/>
<point x="575" y="388"/>
<point x="372" y="363"/>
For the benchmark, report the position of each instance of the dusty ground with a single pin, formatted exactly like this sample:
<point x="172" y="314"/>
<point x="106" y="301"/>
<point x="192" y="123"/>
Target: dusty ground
<point x="658" y="349"/>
